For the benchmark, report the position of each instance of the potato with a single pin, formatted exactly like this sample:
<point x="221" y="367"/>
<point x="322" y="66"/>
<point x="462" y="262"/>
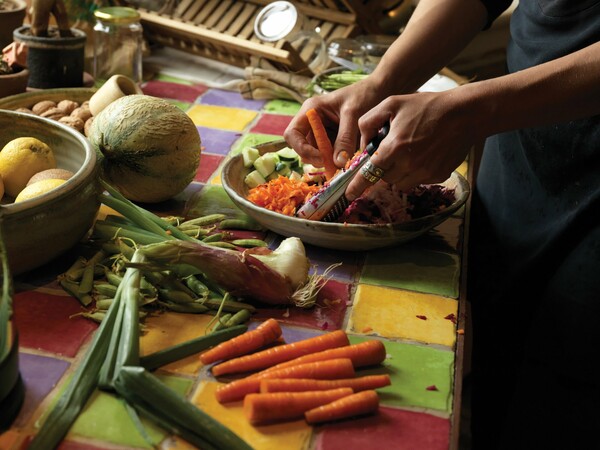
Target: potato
<point x="54" y="174"/>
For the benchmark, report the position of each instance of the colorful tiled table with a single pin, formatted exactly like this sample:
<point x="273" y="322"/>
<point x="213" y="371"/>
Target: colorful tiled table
<point x="409" y="296"/>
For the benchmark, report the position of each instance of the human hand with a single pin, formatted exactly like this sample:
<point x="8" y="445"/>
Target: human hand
<point x="430" y="136"/>
<point x="339" y="111"/>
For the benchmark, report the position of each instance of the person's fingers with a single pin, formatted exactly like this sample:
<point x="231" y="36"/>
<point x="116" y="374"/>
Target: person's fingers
<point x="371" y="172"/>
<point x="297" y="134"/>
<point x="346" y="141"/>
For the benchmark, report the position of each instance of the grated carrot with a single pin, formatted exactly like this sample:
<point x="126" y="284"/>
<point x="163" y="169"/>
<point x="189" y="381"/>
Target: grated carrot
<point x="282" y="195"/>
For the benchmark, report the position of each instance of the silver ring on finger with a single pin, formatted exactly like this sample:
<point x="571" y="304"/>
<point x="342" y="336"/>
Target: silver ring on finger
<point x="368" y="175"/>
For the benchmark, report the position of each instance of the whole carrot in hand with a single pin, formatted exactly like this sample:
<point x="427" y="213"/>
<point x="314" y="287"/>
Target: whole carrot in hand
<point x="275" y="355"/>
<point x="322" y="370"/>
<point x="368" y="382"/>
<point x="266" y="333"/>
<point x="365" y="402"/>
<point x="265" y="408"/>
<point x="323" y="143"/>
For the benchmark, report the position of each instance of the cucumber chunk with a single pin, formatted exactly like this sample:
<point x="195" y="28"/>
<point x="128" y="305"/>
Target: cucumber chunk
<point x="266" y="163"/>
<point x="288" y="154"/>
<point x="254" y="179"/>
<point x="249" y="155"/>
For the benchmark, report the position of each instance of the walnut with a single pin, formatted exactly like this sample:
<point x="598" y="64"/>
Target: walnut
<point x="88" y="126"/>
<point x="41" y="107"/>
<point x="82" y="113"/>
<point x="67" y="106"/>
<point x="53" y="113"/>
<point x="73" y="122"/>
<point x="24" y="110"/>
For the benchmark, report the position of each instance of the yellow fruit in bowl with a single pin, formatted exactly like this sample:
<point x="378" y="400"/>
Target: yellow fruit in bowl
<point x="22" y="158"/>
<point x="38" y="188"/>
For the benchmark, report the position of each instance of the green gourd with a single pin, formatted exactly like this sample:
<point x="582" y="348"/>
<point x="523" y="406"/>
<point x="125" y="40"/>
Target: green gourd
<point x="149" y="149"/>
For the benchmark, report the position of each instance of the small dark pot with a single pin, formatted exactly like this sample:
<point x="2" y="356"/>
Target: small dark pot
<point x="54" y="61"/>
<point x="14" y="83"/>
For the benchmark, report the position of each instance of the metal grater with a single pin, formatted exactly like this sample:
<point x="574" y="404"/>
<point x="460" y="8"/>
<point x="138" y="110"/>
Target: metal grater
<point x="329" y="203"/>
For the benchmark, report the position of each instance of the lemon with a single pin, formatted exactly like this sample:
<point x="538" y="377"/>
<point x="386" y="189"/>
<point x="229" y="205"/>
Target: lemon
<point x="38" y="188"/>
<point x="20" y="159"/>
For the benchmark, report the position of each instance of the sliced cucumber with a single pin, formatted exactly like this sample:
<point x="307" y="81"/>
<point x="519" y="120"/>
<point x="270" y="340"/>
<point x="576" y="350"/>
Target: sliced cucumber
<point x="294" y="176"/>
<point x="313" y="174"/>
<point x="288" y="154"/>
<point x="254" y="179"/>
<point x="249" y="155"/>
<point x="283" y="169"/>
<point x="266" y="163"/>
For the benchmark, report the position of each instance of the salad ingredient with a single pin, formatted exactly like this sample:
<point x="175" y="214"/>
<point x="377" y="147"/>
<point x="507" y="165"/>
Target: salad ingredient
<point x="283" y="195"/>
<point x="365" y="402"/>
<point x="329" y="370"/>
<point x="20" y="159"/>
<point x="323" y="143"/>
<point x="367" y="353"/>
<point x="242" y="273"/>
<point x="275" y="355"/>
<point x="266" y="333"/>
<point x="151" y="148"/>
<point x="332" y="81"/>
<point x="308" y="384"/>
<point x="265" y="408"/>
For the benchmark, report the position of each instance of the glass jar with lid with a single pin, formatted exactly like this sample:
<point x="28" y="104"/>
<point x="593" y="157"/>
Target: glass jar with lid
<point x="118" y="43"/>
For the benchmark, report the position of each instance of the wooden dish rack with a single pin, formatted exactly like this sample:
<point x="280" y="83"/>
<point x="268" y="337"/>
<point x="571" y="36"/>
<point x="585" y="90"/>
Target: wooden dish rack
<point x="224" y="29"/>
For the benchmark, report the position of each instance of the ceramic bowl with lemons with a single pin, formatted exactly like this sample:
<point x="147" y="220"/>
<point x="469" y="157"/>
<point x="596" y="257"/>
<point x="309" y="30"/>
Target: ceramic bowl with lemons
<point x="45" y="224"/>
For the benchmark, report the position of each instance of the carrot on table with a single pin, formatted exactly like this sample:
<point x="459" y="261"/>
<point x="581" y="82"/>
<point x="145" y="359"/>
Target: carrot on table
<point x="321" y="370"/>
<point x="365" y="402"/>
<point x="265" y="408"/>
<point x="323" y="143"/>
<point x="266" y="333"/>
<point x="367" y="353"/>
<point x="275" y="355"/>
<point x="368" y="382"/>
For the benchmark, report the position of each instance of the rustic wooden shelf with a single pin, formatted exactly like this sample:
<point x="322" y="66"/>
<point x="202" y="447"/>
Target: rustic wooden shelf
<point x="224" y="29"/>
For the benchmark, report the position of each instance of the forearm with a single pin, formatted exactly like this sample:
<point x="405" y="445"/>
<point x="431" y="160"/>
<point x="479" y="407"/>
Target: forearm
<point x="565" y="89"/>
<point x="436" y="33"/>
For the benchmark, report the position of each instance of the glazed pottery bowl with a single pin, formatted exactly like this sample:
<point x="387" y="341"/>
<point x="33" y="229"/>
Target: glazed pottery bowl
<point x="40" y="229"/>
<point x="335" y="235"/>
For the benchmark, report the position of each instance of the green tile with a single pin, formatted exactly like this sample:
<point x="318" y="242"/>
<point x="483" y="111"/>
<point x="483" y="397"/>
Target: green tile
<point x="184" y="106"/>
<point x="252" y="139"/>
<point x="421" y="377"/>
<point x="172" y="79"/>
<point x="285" y="107"/>
<point x="414" y="269"/>
<point x="106" y="419"/>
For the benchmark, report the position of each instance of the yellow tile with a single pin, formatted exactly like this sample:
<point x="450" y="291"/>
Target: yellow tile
<point x="221" y="117"/>
<point x="294" y="435"/>
<point x="393" y="313"/>
<point x="170" y="328"/>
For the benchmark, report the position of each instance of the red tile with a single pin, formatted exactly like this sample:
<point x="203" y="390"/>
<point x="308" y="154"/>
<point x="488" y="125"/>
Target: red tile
<point x="272" y="124"/>
<point x="175" y="91"/>
<point x="390" y="428"/>
<point x="208" y="165"/>
<point x="327" y="314"/>
<point x="50" y="323"/>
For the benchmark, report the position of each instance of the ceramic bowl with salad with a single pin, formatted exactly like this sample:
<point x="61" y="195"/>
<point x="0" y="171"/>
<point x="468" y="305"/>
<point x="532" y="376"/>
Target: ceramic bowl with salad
<point x="270" y="182"/>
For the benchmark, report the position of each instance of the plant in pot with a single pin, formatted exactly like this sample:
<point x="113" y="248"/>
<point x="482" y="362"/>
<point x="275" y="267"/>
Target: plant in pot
<point x="55" y="54"/>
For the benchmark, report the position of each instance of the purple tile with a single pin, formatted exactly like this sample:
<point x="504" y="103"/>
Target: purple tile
<point x="40" y="375"/>
<point x="217" y="141"/>
<point x="219" y="97"/>
<point x="175" y="91"/>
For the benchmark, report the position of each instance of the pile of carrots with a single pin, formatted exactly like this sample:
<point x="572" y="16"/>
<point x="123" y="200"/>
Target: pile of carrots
<point x="313" y="378"/>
